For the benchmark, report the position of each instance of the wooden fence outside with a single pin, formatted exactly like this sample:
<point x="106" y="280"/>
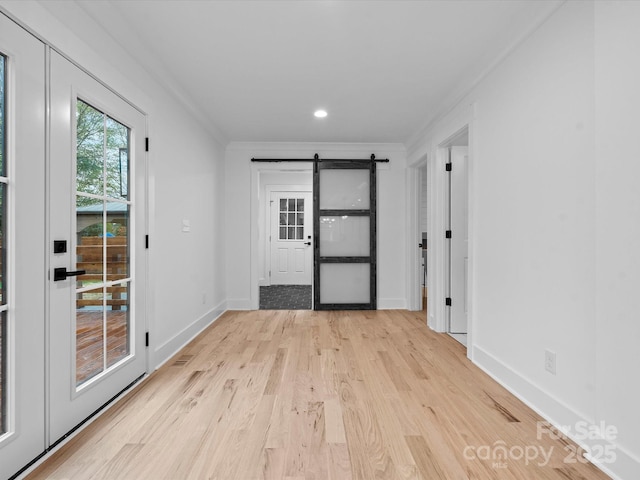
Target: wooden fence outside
<point x="90" y="253"/>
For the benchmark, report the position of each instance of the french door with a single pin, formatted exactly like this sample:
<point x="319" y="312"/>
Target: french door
<point x="345" y="234"/>
<point x="22" y="259"/>
<point x="97" y="267"/>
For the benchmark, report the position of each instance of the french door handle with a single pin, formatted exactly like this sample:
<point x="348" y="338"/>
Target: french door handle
<point x="62" y="274"/>
<point x="307" y="243"/>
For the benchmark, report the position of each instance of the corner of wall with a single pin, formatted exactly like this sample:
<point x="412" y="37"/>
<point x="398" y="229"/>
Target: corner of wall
<point x="163" y="353"/>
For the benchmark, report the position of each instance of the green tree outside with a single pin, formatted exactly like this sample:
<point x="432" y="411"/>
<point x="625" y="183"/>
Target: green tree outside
<point x="102" y="155"/>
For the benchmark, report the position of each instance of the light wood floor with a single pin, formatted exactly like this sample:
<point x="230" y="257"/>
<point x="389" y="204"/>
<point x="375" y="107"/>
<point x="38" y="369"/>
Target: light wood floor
<point x="316" y="395"/>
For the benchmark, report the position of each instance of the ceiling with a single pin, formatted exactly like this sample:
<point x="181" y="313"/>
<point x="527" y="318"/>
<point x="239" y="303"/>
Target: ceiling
<point x="257" y="70"/>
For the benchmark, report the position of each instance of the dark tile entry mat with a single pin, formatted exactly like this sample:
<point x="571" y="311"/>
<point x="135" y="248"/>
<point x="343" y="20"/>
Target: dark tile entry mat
<point x="285" y="297"/>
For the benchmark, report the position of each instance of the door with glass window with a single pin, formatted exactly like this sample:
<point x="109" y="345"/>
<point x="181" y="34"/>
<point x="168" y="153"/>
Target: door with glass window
<point x="291" y="234"/>
<point x="22" y="253"/>
<point x="97" y="225"/>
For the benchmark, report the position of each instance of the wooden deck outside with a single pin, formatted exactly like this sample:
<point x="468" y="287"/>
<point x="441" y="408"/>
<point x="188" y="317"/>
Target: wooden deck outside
<point x="89" y="341"/>
<point x="317" y="395"/>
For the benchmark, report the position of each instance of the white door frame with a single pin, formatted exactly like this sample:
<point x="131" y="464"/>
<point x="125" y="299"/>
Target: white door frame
<point x="434" y="156"/>
<point x="25" y="339"/>
<point x="260" y="230"/>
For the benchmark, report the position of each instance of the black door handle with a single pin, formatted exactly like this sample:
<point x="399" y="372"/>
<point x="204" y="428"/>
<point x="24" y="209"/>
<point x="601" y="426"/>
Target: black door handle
<point x="61" y="273"/>
<point x="307" y="243"/>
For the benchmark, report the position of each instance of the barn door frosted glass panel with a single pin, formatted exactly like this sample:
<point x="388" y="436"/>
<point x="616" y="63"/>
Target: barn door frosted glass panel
<point x="344" y="189"/>
<point x="344" y="283"/>
<point x="345" y="234"/>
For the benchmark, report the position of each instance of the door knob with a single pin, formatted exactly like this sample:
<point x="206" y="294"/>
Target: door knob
<point x="307" y="243"/>
<point x="61" y="273"/>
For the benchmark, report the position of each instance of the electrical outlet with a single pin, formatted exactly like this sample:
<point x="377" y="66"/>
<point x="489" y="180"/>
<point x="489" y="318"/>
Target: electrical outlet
<point x="550" y="361"/>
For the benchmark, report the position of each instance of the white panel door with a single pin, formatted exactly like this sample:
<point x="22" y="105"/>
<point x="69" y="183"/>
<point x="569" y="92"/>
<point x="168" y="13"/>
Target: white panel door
<point x="291" y="236"/>
<point x="459" y="239"/>
<point x="97" y="206"/>
<point x="22" y="247"/>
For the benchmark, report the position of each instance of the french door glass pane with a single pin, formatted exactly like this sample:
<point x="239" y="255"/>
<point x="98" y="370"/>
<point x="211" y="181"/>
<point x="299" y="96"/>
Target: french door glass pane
<point x="102" y="226"/>
<point x="117" y="159"/>
<point x="3" y="255"/>
<point x="117" y="261"/>
<point x="345" y="236"/>
<point x="3" y="372"/>
<point x="90" y="149"/>
<point x="2" y="115"/>
<point x="89" y="334"/>
<point x="117" y="316"/>
<point x="89" y="237"/>
<point x="3" y="240"/>
<point x="344" y="189"/>
<point x="344" y="283"/>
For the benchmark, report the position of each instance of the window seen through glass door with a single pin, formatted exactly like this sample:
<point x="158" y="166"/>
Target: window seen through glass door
<point x="3" y="252"/>
<point x="102" y="225"/>
<point x="291" y="219"/>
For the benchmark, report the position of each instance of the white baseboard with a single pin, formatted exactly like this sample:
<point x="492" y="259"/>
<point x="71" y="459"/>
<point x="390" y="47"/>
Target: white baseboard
<point x="383" y="304"/>
<point x="624" y="467"/>
<point x="168" y="349"/>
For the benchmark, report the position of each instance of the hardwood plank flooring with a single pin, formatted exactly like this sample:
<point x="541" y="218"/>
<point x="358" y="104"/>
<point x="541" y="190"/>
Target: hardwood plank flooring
<point x="316" y="395"/>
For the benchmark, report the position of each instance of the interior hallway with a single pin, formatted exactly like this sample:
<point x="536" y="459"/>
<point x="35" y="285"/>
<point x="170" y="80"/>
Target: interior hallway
<point x="317" y="395"/>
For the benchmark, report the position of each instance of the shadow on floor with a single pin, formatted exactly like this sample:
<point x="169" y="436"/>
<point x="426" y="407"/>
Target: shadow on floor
<point x="285" y="297"/>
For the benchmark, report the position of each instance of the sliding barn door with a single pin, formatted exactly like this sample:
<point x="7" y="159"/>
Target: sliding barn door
<point x="344" y="235"/>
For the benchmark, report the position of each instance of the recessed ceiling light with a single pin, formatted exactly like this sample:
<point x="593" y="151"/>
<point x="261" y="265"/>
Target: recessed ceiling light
<point x="320" y="113"/>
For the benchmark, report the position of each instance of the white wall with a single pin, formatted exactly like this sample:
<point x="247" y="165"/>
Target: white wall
<point x="188" y="266"/>
<point x="242" y="190"/>
<point x="186" y="164"/>
<point x="617" y="254"/>
<point x="555" y="230"/>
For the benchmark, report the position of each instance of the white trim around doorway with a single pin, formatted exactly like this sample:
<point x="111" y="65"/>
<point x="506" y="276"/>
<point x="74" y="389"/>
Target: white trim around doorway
<point x="432" y="154"/>
<point x="258" y="228"/>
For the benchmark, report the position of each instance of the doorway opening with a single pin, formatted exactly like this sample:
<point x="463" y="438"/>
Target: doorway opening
<point x="285" y="247"/>
<point x="423" y="230"/>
